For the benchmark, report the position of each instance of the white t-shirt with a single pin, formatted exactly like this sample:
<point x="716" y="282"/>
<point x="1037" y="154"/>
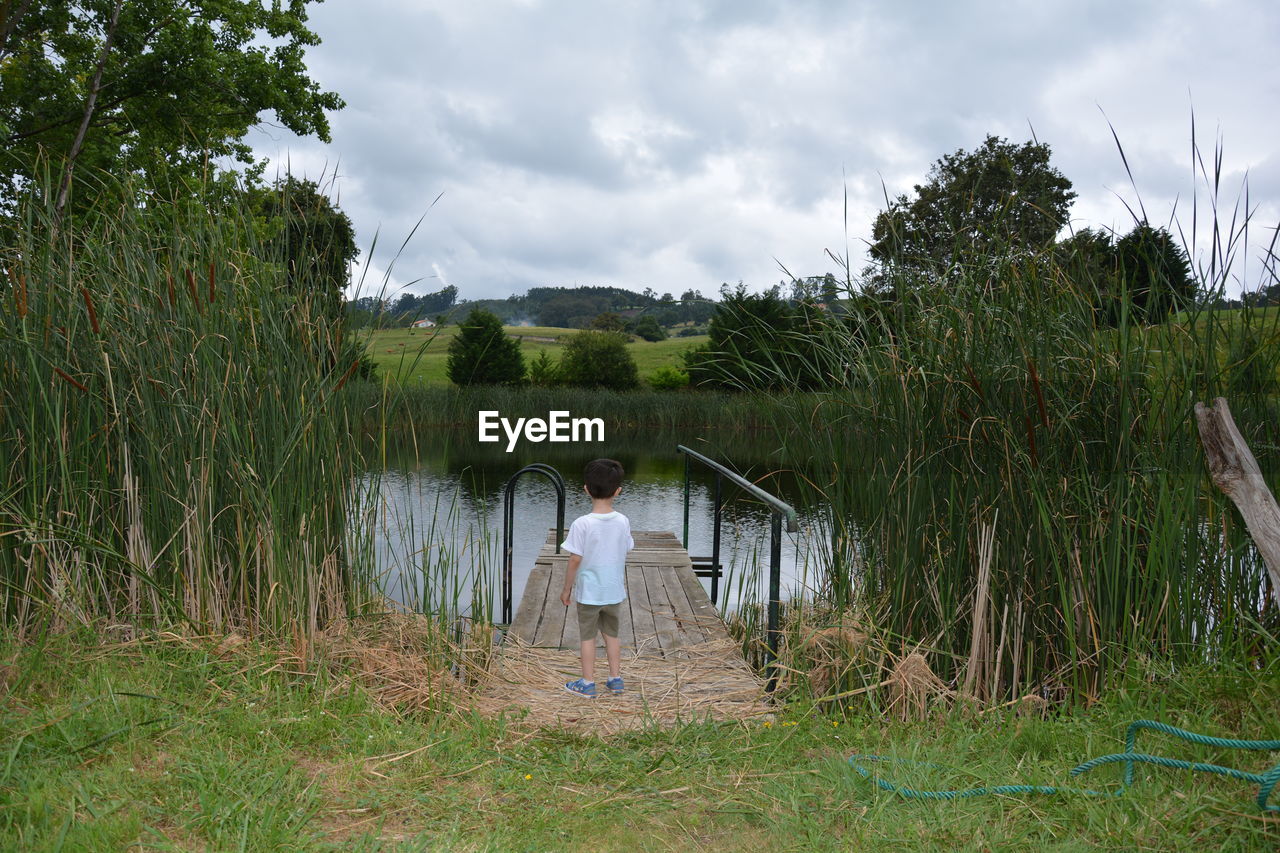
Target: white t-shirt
<point x="602" y="540"/>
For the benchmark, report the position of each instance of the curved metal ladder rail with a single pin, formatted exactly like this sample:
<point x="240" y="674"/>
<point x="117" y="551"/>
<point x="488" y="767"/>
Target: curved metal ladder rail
<point x="780" y="510"/>
<point x="508" y="524"/>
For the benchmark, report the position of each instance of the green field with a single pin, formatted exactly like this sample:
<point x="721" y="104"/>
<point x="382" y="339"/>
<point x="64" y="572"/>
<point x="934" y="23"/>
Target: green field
<point x="417" y="356"/>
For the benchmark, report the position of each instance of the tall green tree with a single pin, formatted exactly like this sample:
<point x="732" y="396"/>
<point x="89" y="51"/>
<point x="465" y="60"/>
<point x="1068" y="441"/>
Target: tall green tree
<point x="1140" y="278"/>
<point x="1155" y="273"/>
<point x="306" y="232"/>
<point x="152" y="87"/>
<point x="483" y="354"/>
<point x="759" y="341"/>
<point x="998" y="198"/>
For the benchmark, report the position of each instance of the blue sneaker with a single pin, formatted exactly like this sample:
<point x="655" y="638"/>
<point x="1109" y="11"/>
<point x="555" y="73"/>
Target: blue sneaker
<point x="614" y="685"/>
<point x="582" y="688"/>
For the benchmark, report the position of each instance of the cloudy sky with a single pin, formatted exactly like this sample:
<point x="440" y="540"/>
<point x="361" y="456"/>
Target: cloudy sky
<point x="678" y="144"/>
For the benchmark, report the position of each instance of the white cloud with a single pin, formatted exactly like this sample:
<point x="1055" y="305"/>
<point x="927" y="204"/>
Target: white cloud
<point x="685" y="145"/>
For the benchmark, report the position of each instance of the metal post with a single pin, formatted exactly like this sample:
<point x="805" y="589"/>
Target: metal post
<point x="686" y="502"/>
<point x="780" y="510"/>
<point x="508" y="525"/>
<point x="775" y="592"/>
<point x="715" y="538"/>
<point x="508" y="547"/>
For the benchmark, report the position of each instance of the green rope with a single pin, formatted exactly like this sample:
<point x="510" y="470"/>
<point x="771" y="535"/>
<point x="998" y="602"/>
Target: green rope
<point x="1266" y="781"/>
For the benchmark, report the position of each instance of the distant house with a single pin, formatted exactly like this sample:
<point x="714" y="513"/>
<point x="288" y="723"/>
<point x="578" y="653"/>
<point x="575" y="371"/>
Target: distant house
<point x="424" y="324"/>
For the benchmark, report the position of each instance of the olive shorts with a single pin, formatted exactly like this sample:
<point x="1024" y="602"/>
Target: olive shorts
<point x="598" y="617"/>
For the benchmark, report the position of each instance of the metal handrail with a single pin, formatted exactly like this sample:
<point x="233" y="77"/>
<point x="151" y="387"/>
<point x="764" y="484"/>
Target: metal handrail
<point x="508" y="524"/>
<point x="780" y="510"/>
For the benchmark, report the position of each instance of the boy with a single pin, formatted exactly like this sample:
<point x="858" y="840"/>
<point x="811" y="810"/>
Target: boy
<point x="598" y="544"/>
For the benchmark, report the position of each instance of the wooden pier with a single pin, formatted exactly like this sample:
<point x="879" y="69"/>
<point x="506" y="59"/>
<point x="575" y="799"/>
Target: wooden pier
<point x="678" y="660"/>
<point x="666" y="606"/>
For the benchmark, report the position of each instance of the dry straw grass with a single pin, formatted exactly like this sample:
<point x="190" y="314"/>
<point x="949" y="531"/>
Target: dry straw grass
<point x="408" y="666"/>
<point x="914" y="689"/>
<point x="707" y="680"/>
<point x="404" y="661"/>
<point x="830" y="653"/>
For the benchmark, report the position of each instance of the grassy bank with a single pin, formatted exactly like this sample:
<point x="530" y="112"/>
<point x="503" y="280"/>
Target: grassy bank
<point x="417" y="356"/>
<point x="190" y="745"/>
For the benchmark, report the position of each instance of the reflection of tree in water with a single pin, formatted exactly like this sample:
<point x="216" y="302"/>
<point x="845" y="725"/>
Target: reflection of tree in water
<point x="449" y="487"/>
<point x="481" y="470"/>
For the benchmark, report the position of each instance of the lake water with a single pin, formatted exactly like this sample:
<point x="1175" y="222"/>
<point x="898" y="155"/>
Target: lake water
<point x="439" y="501"/>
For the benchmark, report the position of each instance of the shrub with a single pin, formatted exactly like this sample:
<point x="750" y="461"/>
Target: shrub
<point x="668" y="378"/>
<point x="543" y="371"/>
<point x="599" y="360"/>
<point x="482" y="354"/>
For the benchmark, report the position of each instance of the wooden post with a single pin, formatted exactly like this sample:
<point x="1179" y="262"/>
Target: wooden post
<point x="1236" y="472"/>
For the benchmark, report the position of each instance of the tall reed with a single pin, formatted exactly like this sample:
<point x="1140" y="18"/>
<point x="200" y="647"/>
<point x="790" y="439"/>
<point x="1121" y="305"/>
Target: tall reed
<point x="172" y="439"/>
<point x="1023" y="492"/>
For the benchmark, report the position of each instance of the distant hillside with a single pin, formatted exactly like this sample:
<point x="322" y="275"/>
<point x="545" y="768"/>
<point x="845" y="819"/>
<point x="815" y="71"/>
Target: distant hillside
<point x="565" y="307"/>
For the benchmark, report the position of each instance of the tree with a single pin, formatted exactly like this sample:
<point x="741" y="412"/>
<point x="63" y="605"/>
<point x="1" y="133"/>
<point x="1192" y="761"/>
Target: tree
<point x="314" y="239"/>
<point x="607" y="322"/>
<point x="414" y="306"/>
<point x="599" y="360"/>
<point x="1155" y="274"/>
<point x="154" y="88"/>
<point x="1262" y="297"/>
<point x="759" y="340"/>
<point x="648" y="328"/>
<point x="1140" y="278"/>
<point x="483" y="354"/>
<point x="998" y="198"/>
<point x="571" y="310"/>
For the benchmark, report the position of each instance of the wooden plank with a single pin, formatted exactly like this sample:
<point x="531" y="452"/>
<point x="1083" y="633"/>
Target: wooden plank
<point x="643" y="630"/>
<point x="666" y="606"/>
<point x="551" y="627"/>
<point x="688" y="623"/>
<point x="569" y="631"/>
<point x="653" y="557"/>
<point x="703" y="608"/>
<point x="626" y="628"/>
<point x="528" y="612"/>
<point x="660" y="606"/>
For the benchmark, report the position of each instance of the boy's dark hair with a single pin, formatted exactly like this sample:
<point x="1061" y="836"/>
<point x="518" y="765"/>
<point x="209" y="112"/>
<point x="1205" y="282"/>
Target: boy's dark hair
<point x="603" y="477"/>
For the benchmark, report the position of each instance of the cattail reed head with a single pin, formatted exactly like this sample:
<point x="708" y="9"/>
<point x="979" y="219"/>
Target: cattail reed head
<point x="66" y="377"/>
<point x="93" y="314"/>
<point x="212" y="289"/>
<point x="20" y="295"/>
<point x="191" y="286"/>
<point x="346" y="376"/>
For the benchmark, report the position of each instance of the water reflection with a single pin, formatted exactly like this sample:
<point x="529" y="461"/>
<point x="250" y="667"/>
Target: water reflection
<point x="440" y="512"/>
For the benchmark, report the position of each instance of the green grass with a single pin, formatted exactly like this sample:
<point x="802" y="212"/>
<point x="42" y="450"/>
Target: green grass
<point x="168" y="746"/>
<point x="418" y="356"/>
